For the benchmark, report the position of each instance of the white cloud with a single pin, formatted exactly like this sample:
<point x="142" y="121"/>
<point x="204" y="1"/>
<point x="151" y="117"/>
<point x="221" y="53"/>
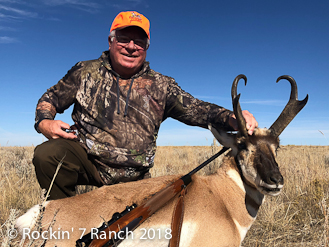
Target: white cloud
<point x="10" y="1"/>
<point x="2" y="28"/>
<point x="265" y="102"/>
<point x="7" y="17"/>
<point x="79" y="4"/>
<point x="18" y="12"/>
<point x="7" y="40"/>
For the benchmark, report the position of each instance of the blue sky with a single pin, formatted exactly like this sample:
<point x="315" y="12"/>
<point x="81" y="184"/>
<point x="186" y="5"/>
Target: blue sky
<point x="204" y="45"/>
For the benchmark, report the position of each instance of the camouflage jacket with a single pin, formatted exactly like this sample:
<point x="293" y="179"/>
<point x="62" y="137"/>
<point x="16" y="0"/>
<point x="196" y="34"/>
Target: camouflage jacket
<point x="118" y="120"/>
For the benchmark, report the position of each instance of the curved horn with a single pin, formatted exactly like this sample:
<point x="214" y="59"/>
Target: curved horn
<point x="236" y="106"/>
<point x="291" y="109"/>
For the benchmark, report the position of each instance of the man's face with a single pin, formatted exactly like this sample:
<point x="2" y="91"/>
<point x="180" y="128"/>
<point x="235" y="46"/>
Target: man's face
<point x="127" y="58"/>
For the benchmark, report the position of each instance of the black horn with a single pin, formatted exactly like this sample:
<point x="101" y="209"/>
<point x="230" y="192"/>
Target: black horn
<point x="236" y="105"/>
<point x="291" y="109"/>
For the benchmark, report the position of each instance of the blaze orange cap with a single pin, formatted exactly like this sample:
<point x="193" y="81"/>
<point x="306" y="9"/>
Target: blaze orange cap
<point x="131" y="18"/>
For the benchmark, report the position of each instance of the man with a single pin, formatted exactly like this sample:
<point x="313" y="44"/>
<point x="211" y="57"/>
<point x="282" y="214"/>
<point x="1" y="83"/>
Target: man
<point x="119" y="104"/>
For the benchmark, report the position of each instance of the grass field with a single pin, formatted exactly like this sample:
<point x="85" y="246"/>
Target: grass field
<point x="297" y="217"/>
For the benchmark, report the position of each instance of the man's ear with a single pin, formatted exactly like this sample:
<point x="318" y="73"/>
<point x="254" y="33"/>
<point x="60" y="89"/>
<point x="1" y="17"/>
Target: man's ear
<point x="110" y="42"/>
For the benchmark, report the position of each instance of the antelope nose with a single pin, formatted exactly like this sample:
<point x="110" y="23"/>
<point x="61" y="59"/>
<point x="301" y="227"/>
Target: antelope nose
<point x="276" y="179"/>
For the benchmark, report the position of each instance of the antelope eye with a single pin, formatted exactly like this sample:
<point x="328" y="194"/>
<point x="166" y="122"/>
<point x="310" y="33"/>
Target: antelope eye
<point x="242" y="146"/>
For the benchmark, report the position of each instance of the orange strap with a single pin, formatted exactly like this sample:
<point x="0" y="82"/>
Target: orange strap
<point x="177" y="220"/>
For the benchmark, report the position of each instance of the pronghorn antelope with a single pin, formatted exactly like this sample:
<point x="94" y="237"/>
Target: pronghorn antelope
<point x="219" y="208"/>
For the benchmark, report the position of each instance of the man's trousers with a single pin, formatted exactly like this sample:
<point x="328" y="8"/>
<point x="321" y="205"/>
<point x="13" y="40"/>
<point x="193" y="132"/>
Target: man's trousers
<point x="76" y="168"/>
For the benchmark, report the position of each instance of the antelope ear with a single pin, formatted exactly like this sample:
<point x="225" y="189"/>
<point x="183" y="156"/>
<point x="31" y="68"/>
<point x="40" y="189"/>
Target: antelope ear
<point x="224" y="138"/>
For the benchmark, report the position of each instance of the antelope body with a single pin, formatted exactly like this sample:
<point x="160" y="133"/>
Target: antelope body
<point x="219" y="208"/>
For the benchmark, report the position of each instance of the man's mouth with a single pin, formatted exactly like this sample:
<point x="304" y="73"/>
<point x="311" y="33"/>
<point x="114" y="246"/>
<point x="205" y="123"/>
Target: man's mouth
<point x="129" y="55"/>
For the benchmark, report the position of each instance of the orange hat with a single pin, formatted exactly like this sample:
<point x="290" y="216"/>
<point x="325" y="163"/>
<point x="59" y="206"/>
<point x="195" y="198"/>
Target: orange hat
<point x="131" y="18"/>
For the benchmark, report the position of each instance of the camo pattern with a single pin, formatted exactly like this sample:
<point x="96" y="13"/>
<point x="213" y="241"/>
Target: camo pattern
<point x="123" y="147"/>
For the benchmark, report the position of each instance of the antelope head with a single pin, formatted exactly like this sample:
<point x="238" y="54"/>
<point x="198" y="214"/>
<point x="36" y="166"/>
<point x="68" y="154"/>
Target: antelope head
<point x="255" y="154"/>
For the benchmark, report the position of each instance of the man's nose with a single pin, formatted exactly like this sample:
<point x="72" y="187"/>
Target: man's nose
<point x="131" y="45"/>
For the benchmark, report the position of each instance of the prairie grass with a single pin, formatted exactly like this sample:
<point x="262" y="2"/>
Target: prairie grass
<point x="297" y="217"/>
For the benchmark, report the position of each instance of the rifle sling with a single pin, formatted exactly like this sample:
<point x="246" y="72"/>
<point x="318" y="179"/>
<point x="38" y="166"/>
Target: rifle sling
<point x="177" y="219"/>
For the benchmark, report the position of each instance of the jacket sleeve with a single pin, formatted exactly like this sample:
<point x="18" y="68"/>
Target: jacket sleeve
<point x="183" y="107"/>
<point x="59" y="97"/>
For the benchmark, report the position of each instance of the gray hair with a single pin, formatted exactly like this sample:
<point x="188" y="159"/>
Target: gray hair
<point x="112" y="35"/>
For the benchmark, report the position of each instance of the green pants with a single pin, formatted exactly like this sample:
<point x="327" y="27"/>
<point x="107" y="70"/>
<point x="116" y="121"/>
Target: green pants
<point x="76" y="168"/>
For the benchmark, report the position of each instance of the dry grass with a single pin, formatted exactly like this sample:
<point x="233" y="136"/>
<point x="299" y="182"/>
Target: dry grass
<point x="19" y="189"/>
<point x="18" y="186"/>
<point x="298" y="217"/>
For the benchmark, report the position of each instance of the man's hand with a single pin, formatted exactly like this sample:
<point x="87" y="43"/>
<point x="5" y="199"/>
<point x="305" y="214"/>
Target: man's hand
<point x="53" y="129"/>
<point x="251" y="122"/>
